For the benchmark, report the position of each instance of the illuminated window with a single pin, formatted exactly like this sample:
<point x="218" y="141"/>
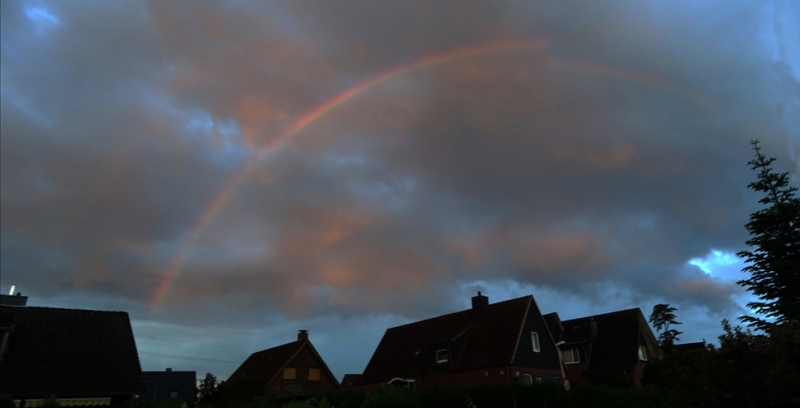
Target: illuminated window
<point x="535" y="341"/>
<point x="289" y="373"/>
<point x="571" y="355"/>
<point x="313" y="374"/>
<point x="642" y="353"/>
<point x="441" y="356"/>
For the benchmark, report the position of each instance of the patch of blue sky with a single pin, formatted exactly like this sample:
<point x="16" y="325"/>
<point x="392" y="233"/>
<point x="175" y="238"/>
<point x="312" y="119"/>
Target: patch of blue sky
<point x="41" y="14"/>
<point x="720" y="264"/>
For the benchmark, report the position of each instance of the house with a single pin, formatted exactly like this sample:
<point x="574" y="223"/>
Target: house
<point x="292" y="367"/>
<point x="81" y="357"/>
<point x="349" y="380"/>
<point x="610" y="345"/>
<point x="170" y="384"/>
<point x="503" y="342"/>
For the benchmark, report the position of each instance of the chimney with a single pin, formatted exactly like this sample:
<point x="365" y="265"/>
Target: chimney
<point x="302" y="335"/>
<point x="480" y="304"/>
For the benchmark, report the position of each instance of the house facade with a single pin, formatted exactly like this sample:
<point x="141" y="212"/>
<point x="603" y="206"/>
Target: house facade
<point x="169" y="384"/>
<point x="617" y="344"/>
<point x="292" y="367"/>
<point x="81" y="357"/>
<point x="505" y="342"/>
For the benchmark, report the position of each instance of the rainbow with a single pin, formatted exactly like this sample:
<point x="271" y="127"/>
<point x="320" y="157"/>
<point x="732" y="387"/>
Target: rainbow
<point x="219" y="201"/>
<point x="171" y="273"/>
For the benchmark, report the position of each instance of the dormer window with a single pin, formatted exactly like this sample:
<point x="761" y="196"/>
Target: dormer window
<point x="535" y="342"/>
<point x="642" y="353"/>
<point x="441" y="356"/>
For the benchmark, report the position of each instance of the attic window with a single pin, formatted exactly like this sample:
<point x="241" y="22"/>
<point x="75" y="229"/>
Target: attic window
<point x="289" y="374"/>
<point x="313" y="374"/>
<point x="441" y="356"/>
<point x="642" y="353"/>
<point x="571" y="355"/>
<point x="535" y="342"/>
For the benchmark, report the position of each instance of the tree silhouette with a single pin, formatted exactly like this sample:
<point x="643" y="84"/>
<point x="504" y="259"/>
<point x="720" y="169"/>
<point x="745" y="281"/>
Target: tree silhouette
<point x="774" y="261"/>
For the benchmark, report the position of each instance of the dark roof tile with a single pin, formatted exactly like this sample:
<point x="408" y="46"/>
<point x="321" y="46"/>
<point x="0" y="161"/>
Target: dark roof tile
<point x="69" y="353"/>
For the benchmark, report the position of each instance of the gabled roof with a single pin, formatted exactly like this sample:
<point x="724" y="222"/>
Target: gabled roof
<point x="492" y="341"/>
<point x="617" y="340"/>
<point x="553" y="323"/>
<point x="69" y="353"/>
<point x="269" y="363"/>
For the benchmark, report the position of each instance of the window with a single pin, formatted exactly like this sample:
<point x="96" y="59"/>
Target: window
<point x="289" y="373"/>
<point x="441" y="356"/>
<point x="4" y="335"/>
<point x="174" y="394"/>
<point x="642" y="353"/>
<point x="535" y="341"/>
<point x="313" y="374"/>
<point x="571" y="355"/>
<point x="527" y="379"/>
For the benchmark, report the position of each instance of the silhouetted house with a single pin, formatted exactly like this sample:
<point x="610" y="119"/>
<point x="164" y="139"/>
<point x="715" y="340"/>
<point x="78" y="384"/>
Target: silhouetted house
<point x="349" y="380"/>
<point x="284" y="369"/>
<point x="503" y="342"/>
<point x="15" y="300"/>
<point x="170" y="384"/>
<point x="82" y="357"/>
<point x="606" y="346"/>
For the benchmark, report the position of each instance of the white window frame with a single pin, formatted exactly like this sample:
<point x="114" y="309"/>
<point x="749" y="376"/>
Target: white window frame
<point x="442" y="360"/>
<point x="535" y="342"/>
<point x="642" y="353"/>
<point x="575" y="354"/>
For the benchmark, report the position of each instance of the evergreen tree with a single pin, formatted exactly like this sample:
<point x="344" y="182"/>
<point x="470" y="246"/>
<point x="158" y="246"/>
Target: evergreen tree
<point x="774" y="261"/>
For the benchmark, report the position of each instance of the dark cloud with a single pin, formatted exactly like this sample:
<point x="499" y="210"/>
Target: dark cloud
<point x="592" y="168"/>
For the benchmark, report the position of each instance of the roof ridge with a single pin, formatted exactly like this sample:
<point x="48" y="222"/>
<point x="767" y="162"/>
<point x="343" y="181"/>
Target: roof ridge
<point x="64" y="308"/>
<point x="454" y="313"/>
<point x="296" y="342"/>
<point x="603" y="314"/>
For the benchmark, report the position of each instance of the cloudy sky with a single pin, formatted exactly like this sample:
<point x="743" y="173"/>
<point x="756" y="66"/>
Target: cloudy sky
<point x="231" y="172"/>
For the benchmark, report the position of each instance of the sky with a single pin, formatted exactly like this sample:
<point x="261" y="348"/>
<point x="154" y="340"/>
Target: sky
<point x="230" y="172"/>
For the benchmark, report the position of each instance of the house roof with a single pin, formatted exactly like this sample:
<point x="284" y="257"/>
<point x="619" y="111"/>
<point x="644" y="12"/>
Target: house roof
<point x="617" y="339"/>
<point x="69" y="353"/>
<point x="553" y="323"/>
<point x="492" y="341"/>
<point x="351" y="378"/>
<point x="269" y="363"/>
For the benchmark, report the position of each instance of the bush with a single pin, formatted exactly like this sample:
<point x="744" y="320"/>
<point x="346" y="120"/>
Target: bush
<point x="390" y="397"/>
